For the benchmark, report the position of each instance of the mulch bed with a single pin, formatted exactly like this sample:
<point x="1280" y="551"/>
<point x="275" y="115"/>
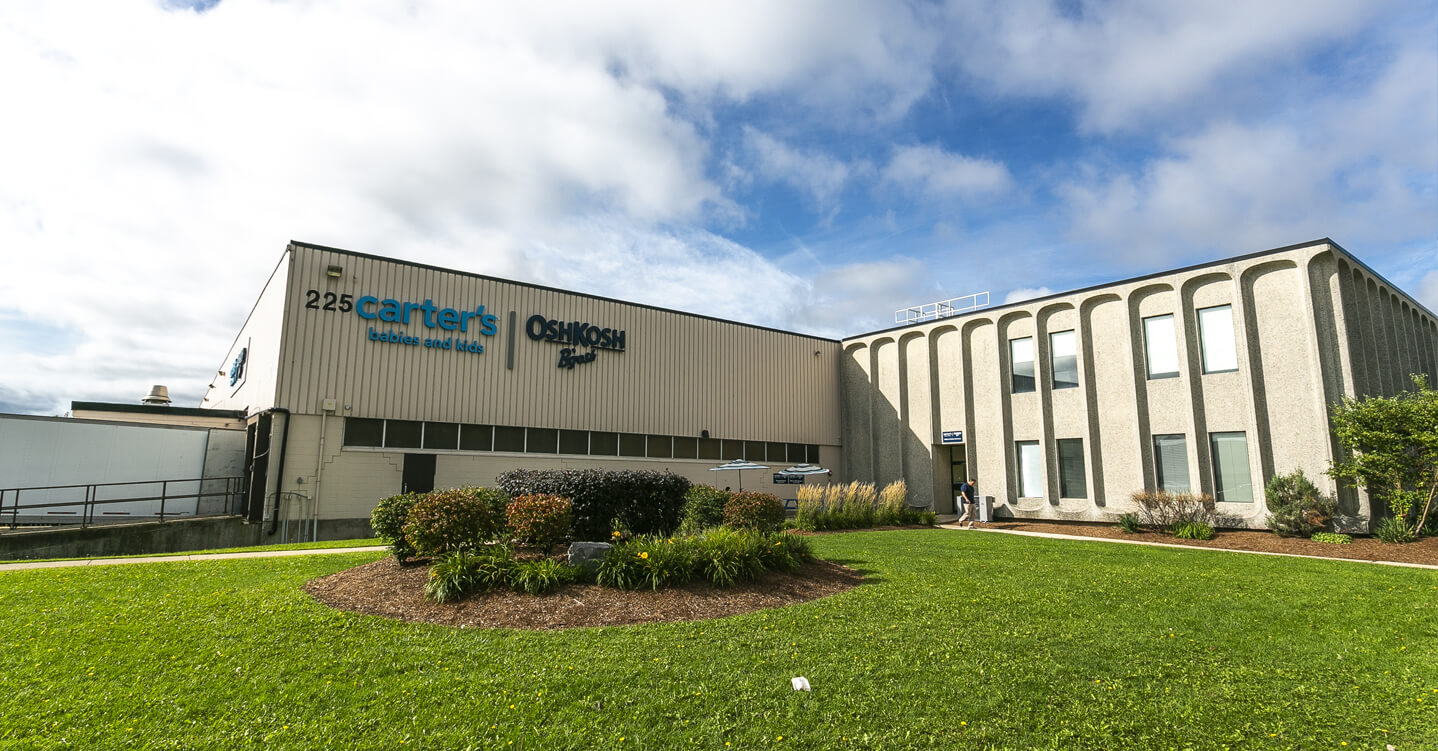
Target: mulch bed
<point x="1423" y="551"/>
<point x="388" y="589"/>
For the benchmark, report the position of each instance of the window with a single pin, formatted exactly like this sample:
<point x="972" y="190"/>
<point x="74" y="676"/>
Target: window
<point x="1064" y="349"/>
<point x="1170" y="460"/>
<point x="631" y="444"/>
<point x="1073" y="482"/>
<point x="476" y="437"/>
<point x="685" y="448"/>
<point x="661" y="446"/>
<point x="813" y="453"/>
<point x="754" y="451"/>
<point x="402" y="434"/>
<point x="709" y="449"/>
<point x="508" y="439"/>
<point x="733" y="450"/>
<point x="441" y="435"/>
<point x="1021" y="362"/>
<point x="1215" y="330"/>
<point x="1232" y="481"/>
<point x="603" y="444"/>
<point x="1161" y="347"/>
<point x="777" y="452"/>
<point x="360" y="431"/>
<point x="573" y="442"/>
<point x="542" y="441"/>
<point x="1031" y="470"/>
<point x="797" y="454"/>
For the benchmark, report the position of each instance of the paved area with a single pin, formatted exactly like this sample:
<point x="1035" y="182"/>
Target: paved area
<point x="23" y="565"/>
<point x="955" y="527"/>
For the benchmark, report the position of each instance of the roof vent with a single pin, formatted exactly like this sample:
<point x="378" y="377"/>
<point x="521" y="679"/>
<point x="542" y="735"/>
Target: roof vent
<point x="159" y="396"/>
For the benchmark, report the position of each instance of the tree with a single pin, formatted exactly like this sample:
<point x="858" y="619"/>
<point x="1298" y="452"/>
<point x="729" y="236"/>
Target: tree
<point x="1391" y="447"/>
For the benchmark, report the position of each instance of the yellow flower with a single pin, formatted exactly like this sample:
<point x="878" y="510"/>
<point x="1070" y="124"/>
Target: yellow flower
<point x="616" y="533"/>
<point x="645" y="556"/>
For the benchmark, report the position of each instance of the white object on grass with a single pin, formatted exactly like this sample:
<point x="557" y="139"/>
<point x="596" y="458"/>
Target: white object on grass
<point x="800" y="684"/>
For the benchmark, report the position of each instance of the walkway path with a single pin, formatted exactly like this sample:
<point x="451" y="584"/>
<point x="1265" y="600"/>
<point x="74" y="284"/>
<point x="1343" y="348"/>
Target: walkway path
<point x="23" y="565"/>
<point x="1055" y="536"/>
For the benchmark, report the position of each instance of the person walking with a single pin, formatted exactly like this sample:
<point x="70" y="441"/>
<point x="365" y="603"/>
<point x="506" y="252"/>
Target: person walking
<point x="968" y="492"/>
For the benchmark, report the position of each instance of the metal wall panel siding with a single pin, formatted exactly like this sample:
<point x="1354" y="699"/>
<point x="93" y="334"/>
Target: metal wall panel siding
<point x="679" y="374"/>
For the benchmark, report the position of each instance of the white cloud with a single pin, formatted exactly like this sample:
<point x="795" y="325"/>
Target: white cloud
<point x="819" y="175"/>
<point x="937" y="173"/>
<point x="156" y="161"/>
<point x="1128" y="61"/>
<point x="861" y="296"/>
<point x="1026" y="293"/>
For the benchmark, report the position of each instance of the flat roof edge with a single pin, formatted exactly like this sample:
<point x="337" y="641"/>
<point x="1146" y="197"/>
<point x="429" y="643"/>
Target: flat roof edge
<point x="149" y="409"/>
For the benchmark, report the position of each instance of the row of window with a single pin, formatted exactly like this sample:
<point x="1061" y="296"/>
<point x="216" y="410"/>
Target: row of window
<point x="1216" y="337"/>
<point x="1232" y="480"/>
<point x="450" y="436"/>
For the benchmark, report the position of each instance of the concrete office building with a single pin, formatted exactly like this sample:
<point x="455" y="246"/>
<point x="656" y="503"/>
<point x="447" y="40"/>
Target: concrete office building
<point x="362" y="376"/>
<point x="1208" y="379"/>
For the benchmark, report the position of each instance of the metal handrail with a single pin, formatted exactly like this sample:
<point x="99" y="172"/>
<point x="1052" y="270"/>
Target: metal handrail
<point x="234" y="488"/>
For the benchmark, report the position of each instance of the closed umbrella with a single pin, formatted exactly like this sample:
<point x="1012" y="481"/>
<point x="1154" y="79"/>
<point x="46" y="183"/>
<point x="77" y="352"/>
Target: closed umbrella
<point x="738" y="465"/>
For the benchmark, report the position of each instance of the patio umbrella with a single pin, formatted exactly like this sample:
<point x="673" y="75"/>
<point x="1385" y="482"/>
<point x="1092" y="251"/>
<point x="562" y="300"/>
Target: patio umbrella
<point x="801" y="470"/>
<point x="738" y="465"/>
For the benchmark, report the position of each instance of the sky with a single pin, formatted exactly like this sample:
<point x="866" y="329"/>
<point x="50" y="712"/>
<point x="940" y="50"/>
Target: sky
<point x="811" y="165"/>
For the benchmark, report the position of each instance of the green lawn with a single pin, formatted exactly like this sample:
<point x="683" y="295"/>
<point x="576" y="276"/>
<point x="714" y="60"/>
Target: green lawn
<point x="957" y="640"/>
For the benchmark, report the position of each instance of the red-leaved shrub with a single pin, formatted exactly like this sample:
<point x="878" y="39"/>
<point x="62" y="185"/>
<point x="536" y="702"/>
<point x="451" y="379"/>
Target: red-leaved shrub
<point x="751" y="510"/>
<point x="540" y="519"/>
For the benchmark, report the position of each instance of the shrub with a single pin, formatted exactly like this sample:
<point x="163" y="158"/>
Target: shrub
<point x="1191" y="530"/>
<point x="781" y="552"/>
<point x="1331" y="537"/>
<point x="857" y="506"/>
<point x="647" y="561"/>
<point x="387" y="521"/>
<point x="1296" y="508"/>
<point x="1393" y="529"/>
<point x="539" y="577"/>
<point x="497" y="500"/>
<point x="704" y="507"/>
<point x="751" y="510"/>
<point x="540" y="520"/>
<point x="449" y="520"/>
<point x="893" y="502"/>
<point x="1164" y="510"/>
<point x="642" y="501"/>
<point x="1129" y="523"/>
<point x="724" y="556"/>
<point x="451" y="578"/>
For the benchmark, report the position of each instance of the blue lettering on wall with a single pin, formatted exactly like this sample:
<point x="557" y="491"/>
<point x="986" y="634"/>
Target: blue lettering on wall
<point x="237" y="370"/>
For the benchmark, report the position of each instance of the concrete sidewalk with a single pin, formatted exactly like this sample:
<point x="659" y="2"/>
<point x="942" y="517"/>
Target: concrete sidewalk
<point x="25" y="565"/>
<point x="1055" y="536"/>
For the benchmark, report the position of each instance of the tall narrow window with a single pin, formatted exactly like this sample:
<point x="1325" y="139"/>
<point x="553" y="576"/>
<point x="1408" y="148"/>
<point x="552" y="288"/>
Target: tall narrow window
<point x="1073" y="482"/>
<point x="1215" y="329"/>
<point x="1021" y="363"/>
<point x="1031" y="470"/>
<point x="1064" y="349"/>
<point x="1232" y="480"/>
<point x="1170" y="461"/>
<point x="1161" y="347"/>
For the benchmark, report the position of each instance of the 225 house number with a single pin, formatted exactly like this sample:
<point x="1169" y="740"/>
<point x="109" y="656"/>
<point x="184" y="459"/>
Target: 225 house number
<point x="345" y="303"/>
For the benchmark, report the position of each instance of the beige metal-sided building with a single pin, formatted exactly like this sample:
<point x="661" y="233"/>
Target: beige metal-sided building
<point x="365" y="376"/>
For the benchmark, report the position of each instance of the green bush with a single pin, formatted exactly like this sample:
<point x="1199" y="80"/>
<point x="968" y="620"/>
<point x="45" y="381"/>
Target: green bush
<point x="642" y="501"/>
<point x="1296" y="508"/>
<point x="539" y="577"/>
<point x="1394" y="529"/>
<point x="781" y="552"/>
<point x="540" y="520"/>
<point x="723" y="556"/>
<point x="703" y="507"/>
<point x="751" y="510"/>
<point x="1331" y="537"/>
<point x="448" y="520"/>
<point x="387" y="522"/>
<point x="1129" y="523"/>
<point x="1191" y="530"/>
<point x="1164" y="510"/>
<point x="647" y="561"/>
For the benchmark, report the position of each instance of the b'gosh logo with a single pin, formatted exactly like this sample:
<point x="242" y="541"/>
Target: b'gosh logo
<point x="575" y="334"/>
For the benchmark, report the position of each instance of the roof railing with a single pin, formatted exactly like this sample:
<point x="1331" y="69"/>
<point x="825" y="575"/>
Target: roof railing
<point x="942" y="309"/>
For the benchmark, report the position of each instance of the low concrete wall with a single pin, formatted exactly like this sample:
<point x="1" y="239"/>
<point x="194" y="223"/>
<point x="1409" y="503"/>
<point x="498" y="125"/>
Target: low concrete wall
<point x="132" y="539"/>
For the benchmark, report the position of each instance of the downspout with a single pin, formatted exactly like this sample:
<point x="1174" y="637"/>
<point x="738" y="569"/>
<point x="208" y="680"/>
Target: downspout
<point x="285" y="440"/>
<point x="319" y="474"/>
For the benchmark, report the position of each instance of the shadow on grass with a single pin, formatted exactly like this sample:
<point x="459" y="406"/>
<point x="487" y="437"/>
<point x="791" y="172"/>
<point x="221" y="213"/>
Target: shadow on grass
<point x="871" y="575"/>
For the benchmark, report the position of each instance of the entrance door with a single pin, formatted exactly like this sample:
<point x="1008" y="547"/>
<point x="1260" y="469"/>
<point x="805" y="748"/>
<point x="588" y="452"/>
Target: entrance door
<point x="958" y="472"/>
<point x="418" y="473"/>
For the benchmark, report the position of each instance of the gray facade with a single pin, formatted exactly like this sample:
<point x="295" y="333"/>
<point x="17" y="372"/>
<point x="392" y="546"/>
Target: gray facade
<point x="1210" y="379"/>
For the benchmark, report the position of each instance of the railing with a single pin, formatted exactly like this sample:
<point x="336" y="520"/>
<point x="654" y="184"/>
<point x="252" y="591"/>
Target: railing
<point x="942" y="309"/>
<point x="56" y="505"/>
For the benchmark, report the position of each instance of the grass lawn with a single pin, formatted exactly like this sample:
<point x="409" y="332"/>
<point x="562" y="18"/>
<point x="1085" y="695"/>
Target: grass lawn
<point x="957" y="640"/>
<point x="321" y="545"/>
